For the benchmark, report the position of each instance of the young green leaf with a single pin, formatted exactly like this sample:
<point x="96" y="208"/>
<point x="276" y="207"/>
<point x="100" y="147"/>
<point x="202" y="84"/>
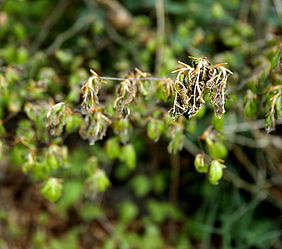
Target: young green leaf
<point x="216" y="149"/>
<point x="113" y="148"/>
<point x="52" y="189"/>
<point x="200" y="164"/>
<point x="215" y="171"/>
<point x="128" y="156"/>
<point x="154" y="129"/>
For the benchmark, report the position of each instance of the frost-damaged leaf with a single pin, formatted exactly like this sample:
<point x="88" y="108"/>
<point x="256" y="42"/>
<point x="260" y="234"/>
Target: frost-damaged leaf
<point x="191" y="83"/>
<point x="94" y="127"/>
<point x="95" y="122"/>
<point x="217" y="86"/>
<point x="126" y="94"/>
<point x="57" y="118"/>
<point x="90" y="91"/>
<point x="274" y="112"/>
<point x="134" y="84"/>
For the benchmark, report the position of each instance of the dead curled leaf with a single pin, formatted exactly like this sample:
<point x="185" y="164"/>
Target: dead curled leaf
<point x="192" y="82"/>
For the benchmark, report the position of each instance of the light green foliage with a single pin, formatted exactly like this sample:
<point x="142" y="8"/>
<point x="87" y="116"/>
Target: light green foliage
<point x="177" y="137"/>
<point x="155" y="129"/>
<point x="128" y="156"/>
<point x="128" y="211"/>
<point x="251" y="105"/>
<point x="72" y="193"/>
<point x="215" y="171"/>
<point x="113" y="148"/>
<point x="159" y="212"/>
<point x="52" y="189"/>
<point x="200" y="164"/>
<point x="141" y="185"/>
<point x="217" y="149"/>
<point x="98" y="181"/>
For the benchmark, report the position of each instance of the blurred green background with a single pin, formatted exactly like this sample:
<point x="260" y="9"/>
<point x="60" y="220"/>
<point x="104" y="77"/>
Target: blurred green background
<point x="128" y="191"/>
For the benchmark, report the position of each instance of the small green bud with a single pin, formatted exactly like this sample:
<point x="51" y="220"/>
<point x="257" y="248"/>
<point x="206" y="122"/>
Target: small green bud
<point x="199" y="164"/>
<point x="215" y="172"/>
<point x="52" y="189"/>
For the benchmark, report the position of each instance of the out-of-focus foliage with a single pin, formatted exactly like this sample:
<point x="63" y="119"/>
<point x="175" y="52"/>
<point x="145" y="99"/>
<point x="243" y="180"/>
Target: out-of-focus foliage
<point x="122" y="172"/>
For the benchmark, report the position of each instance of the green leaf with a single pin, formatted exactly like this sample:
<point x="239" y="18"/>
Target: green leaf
<point x="128" y="156"/>
<point x="2" y="130"/>
<point x="270" y="123"/>
<point x="275" y="58"/>
<point x="113" y="148"/>
<point x="215" y="172"/>
<point x="278" y="107"/>
<point x="90" y="212"/>
<point x="127" y="211"/>
<point x="250" y="104"/>
<point x="52" y="189"/>
<point x="102" y="180"/>
<point x="200" y="164"/>
<point x="73" y="192"/>
<point x="154" y="129"/>
<point x="141" y="185"/>
<point x="217" y="149"/>
<point x="73" y="123"/>
<point x="217" y="123"/>
<point x="176" y="142"/>
<point x="98" y="181"/>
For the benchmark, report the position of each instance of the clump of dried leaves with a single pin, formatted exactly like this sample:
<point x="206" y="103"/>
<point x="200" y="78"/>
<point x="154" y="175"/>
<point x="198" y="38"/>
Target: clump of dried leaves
<point x="127" y="91"/>
<point x="193" y="82"/>
<point x="95" y="121"/>
<point x="189" y="88"/>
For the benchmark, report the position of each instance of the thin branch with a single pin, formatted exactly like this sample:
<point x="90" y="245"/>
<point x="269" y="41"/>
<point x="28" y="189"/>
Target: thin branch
<point x="56" y="13"/>
<point x="278" y="7"/>
<point x="246" y="126"/>
<point x="174" y="187"/>
<point x="160" y="14"/>
<point x="73" y="30"/>
<point x="191" y="147"/>
<point x="122" y="79"/>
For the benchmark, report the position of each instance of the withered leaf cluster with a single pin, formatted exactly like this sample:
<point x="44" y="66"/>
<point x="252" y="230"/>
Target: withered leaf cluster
<point x="128" y="91"/>
<point x="95" y="121"/>
<point x="193" y="82"/>
<point x="189" y="88"/>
